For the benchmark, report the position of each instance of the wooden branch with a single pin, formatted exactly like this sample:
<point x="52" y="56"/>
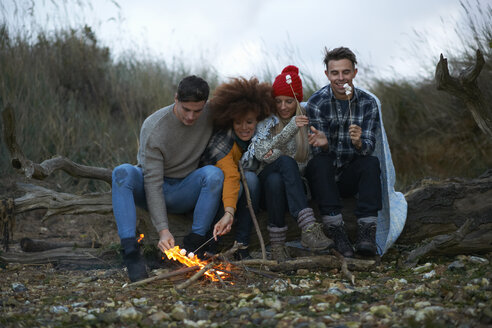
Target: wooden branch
<point x="311" y="262"/>
<point x="466" y="88"/>
<point x="166" y="275"/>
<point x="195" y="277"/>
<point x="252" y="212"/>
<point x="36" y="245"/>
<point x="47" y="167"/>
<point x="220" y="279"/>
<point x="344" y="267"/>
<point x="441" y="243"/>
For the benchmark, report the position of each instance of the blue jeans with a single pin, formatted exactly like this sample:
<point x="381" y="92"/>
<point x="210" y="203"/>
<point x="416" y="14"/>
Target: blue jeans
<point x="201" y="190"/>
<point x="282" y="188"/>
<point x="243" y="222"/>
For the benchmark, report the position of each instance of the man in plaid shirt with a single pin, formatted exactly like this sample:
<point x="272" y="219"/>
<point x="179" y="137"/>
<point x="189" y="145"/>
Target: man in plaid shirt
<point x="344" y="121"/>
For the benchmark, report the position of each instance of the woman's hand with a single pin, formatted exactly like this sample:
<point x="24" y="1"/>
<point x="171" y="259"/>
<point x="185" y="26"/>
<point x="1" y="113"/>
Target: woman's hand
<point x="301" y="120"/>
<point x="270" y="153"/>
<point x="224" y="225"/>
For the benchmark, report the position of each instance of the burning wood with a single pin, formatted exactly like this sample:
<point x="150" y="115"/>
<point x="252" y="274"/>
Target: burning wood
<point x="213" y="271"/>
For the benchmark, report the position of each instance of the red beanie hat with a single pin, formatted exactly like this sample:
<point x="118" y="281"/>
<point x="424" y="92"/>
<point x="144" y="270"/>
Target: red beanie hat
<point x="280" y="86"/>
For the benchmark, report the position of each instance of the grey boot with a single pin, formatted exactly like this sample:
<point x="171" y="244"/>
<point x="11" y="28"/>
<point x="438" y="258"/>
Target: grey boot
<point x="312" y="235"/>
<point x="277" y="243"/>
<point x="366" y="239"/>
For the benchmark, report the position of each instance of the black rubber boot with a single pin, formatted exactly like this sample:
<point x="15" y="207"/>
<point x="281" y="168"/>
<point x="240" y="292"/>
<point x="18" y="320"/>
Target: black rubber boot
<point x="133" y="260"/>
<point x="192" y="241"/>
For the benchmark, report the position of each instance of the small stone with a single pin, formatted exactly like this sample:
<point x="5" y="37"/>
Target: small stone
<point x="423" y="268"/>
<point x="335" y="291"/>
<point x="246" y="296"/>
<point x="428" y="312"/>
<point x="202" y="314"/>
<point x="420" y="305"/>
<point x="159" y="316"/>
<point x="78" y="304"/>
<point x="320" y="307"/>
<point x="139" y="301"/>
<point x="178" y="313"/>
<point x="89" y="317"/>
<point x="273" y="303"/>
<point x="58" y="309"/>
<point x="128" y="313"/>
<point x="305" y="283"/>
<point x="456" y="265"/>
<point x="190" y="323"/>
<point x="18" y="287"/>
<point x="380" y="311"/>
<point x="279" y="285"/>
<point x="267" y="314"/>
<point x="429" y="274"/>
<point x="479" y="260"/>
<point x="88" y="279"/>
<point x="302" y="272"/>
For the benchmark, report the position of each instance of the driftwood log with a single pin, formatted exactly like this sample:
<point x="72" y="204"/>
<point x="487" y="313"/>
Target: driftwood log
<point x="466" y="88"/>
<point x="39" y="245"/>
<point x="65" y="257"/>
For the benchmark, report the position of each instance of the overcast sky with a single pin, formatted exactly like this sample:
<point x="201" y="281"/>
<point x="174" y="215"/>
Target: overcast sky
<point x="244" y="37"/>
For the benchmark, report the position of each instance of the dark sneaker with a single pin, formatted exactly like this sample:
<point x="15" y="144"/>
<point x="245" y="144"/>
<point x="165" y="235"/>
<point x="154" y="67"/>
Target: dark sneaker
<point x="314" y="238"/>
<point x="133" y="260"/>
<point x="366" y="240"/>
<point x="342" y="243"/>
<point x="279" y="252"/>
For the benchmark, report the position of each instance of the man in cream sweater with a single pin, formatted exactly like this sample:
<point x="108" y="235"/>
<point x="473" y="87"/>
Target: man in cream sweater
<point x="167" y="177"/>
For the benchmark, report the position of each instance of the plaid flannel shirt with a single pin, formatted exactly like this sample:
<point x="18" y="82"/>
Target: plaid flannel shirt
<point x="326" y="114"/>
<point x="219" y="145"/>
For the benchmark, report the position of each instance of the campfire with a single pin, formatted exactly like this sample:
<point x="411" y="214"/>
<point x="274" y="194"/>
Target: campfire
<point x="216" y="273"/>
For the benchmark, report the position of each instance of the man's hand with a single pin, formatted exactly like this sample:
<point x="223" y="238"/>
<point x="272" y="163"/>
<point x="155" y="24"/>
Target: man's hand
<point x="166" y="240"/>
<point x="301" y="120"/>
<point x="317" y="138"/>
<point x="224" y="225"/>
<point x="355" y="132"/>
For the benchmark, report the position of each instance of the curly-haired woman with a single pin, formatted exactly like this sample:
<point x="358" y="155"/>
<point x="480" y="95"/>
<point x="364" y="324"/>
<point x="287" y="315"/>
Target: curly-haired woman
<point x="282" y="146"/>
<point x="237" y="107"/>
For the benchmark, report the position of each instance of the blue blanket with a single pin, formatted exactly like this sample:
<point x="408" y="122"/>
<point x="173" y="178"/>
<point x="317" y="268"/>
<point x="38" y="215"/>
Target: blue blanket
<point x="392" y="217"/>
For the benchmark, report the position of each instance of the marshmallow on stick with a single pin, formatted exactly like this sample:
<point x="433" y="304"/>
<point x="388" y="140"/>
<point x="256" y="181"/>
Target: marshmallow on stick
<point x="348" y="89"/>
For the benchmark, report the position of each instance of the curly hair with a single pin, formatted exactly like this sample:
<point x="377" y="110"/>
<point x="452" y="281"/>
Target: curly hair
<point x="239" y="97"/>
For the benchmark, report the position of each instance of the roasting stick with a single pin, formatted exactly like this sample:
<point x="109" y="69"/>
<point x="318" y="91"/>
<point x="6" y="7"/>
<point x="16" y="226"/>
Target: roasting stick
<point x="252" y="212"/>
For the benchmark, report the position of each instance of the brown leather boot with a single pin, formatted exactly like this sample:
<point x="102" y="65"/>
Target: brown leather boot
<point x="278" y="250"/>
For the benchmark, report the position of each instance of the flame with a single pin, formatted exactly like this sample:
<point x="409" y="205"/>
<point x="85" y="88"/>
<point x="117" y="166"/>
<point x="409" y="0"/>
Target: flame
<point x="140" y="238"/>
<point x="175" y="254"/>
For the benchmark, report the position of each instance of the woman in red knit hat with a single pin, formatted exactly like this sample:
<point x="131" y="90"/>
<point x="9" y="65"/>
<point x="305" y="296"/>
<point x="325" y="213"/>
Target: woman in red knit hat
<point x="282" y="147"/>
